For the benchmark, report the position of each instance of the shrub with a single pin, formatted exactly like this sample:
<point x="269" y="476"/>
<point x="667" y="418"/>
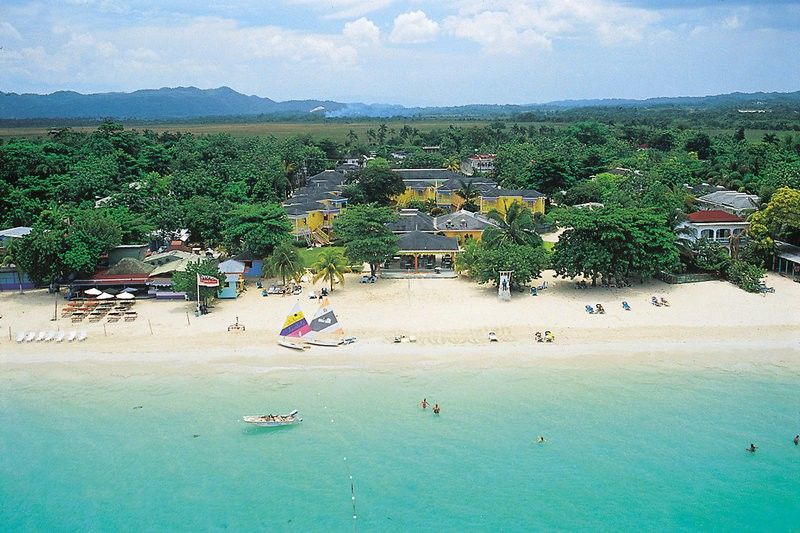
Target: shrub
<point x="745" y="275"/>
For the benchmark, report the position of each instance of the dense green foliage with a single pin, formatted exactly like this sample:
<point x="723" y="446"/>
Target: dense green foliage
<point x="284" y="262"/>
<point x="527" y="262"/>
<point x="363" y="231"/>
<point x="613" y="243"/>
<point x="745" y="275"/>
<point x="514" y="227"/>
<point x="330" y="266"/>
<point x="256" y="228"/>
<point x="187" y="281"/>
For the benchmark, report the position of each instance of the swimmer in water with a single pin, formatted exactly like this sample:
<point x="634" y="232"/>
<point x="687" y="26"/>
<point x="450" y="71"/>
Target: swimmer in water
<point x="424" y="403"/>
<point x="752" y="448"/>
<point x="540" y="440"/>
<point x="796" y="440"/>
<point x="436" y="409"/>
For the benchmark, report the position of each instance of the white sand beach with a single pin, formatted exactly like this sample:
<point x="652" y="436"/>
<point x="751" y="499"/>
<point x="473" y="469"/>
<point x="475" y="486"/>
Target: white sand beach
<point x="450" y="320"/>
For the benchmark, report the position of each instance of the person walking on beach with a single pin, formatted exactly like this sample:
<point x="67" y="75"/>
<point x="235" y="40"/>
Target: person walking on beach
<point x="424" y="403"/>
<point x="436" y="409"/>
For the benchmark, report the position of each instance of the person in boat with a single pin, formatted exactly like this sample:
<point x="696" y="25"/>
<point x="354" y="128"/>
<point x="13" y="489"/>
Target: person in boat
<point x="796" y="440"/>
<point x="752" y="448"/>
<point x="424" y="403"/>
<point x="436" y="409"/>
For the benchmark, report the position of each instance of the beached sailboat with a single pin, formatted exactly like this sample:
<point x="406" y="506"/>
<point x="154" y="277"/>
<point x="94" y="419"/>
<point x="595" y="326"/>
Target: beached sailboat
<point x="325" y="327"/>
<point x="295" y="327"/>
<point x="271" y="421"/>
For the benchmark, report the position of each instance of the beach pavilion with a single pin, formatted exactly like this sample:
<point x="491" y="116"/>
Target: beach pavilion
<point x="421" y="253"/>
<point x="786" y="260"/>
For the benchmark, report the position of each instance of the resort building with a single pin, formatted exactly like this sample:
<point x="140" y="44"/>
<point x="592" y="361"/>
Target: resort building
<point x="422" y="183"/>
<point x="736" y="203"/>
<point x="482" y="162"/>
<point x="463" y="226"/>
<point x="412" y="220"/>
<point x="422" y="254"/>
<point x="313" y="208"/>
<point x="714" y="226"/>
<point x="501" y="200"/>
<point x="441" y="186"/>
<point x="786" y="260"/>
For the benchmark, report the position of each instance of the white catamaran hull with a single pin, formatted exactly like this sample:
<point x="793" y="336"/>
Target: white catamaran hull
<point x="292" y="345"/>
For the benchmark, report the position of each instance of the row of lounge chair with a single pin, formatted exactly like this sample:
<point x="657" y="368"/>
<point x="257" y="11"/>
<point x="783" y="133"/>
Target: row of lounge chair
<point x="51" y="336"/>
<point x="96" y="311"/>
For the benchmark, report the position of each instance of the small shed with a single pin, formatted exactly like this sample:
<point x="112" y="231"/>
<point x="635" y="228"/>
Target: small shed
<point x="233" y="271"/>
<point x="253" y="266"/>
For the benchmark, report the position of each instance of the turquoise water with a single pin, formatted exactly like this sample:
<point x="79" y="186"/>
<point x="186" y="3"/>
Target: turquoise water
<point x="655" y="449"/>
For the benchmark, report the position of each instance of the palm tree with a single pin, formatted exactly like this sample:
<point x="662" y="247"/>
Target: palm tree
<point x="331" y="265"/>
<point x="516" y="226"/>
<point x="469" y="193"/>
<point x="453" y="164"/>
<point x="352" y="138"/>
<point x="285" y="262"/>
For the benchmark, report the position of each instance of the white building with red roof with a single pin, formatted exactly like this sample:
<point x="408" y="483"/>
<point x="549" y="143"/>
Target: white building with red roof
<point x="714" y="226"/>
<point x="482" y="162"/>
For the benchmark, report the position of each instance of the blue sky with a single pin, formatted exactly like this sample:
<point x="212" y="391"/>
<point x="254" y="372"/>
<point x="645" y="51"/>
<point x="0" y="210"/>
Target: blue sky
<point x="413" y="52"/>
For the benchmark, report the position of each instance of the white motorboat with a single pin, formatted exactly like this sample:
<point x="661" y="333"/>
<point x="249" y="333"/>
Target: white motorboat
<point x="271" y="421"/>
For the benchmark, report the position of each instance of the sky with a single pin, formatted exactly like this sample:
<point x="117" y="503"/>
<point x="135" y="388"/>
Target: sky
<point x="413" y="52"/>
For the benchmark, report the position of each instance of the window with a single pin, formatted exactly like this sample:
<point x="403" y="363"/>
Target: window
<point x="707" y="234"/>
<point x="723" y="233"/>
<point x="738" y="231"/>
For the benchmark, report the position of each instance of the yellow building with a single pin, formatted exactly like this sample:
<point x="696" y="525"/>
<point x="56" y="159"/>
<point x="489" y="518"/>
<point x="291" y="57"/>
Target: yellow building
<point x="501" y="199"/>
<point x="422" y="183"/>
<point x="463" y="225"/>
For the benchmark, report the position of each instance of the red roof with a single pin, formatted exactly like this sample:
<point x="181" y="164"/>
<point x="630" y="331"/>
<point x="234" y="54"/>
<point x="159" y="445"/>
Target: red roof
<point x="714" y="215"/>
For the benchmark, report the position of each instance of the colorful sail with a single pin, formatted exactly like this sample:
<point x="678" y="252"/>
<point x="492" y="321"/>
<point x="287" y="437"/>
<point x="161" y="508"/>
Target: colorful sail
<point x="325" y="320"/>
<point x="295" y="324"/>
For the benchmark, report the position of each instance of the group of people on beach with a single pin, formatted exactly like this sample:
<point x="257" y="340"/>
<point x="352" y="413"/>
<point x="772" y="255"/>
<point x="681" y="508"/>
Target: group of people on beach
<point x="425" y="404"/>
<point x="662" y="302"/>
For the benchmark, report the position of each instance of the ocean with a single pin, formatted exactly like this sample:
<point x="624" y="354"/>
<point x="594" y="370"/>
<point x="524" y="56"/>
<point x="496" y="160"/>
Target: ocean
<point x="648" y="448"/>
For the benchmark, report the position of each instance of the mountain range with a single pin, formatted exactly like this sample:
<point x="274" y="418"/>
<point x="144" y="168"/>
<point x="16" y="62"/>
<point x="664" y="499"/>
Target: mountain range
<point x="188" y="103"/>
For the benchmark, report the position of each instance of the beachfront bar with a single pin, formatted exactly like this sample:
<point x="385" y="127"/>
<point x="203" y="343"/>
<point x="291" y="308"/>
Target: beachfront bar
<point x="420" y="254"/>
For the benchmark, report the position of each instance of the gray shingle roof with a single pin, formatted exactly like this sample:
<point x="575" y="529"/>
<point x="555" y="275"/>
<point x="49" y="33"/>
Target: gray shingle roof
<point x="411" y="220"/>
<point x="463" y="221"/>
<point x="417" y="241"/>
<point x="736" y="200"/>
<point x="454" y="184"/>
<point x="431" y="174"/>
<point x="525" y="193"/>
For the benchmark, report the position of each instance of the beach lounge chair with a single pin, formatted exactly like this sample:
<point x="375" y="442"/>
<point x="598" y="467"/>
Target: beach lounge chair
<point x="40" y="337"/>
<point x="589" y="309"/>
<point x="60" y="336"/>
<point x="654" y="301"/>
<point x="30" y="336"/>
<point x="21" y="337"/>
<point x="130" y="316"/>
<point x="82" y="335"/>
<point x="72" y="335"/>
<point x="50" y="336"/>
<point x="626" y="306"/>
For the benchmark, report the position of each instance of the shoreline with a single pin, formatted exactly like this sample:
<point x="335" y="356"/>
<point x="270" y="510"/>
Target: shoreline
<point x="708" y="324"/>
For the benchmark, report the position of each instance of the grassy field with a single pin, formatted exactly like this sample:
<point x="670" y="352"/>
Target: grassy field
<point x="309" y="255"/>
<point x="336" y="131"/>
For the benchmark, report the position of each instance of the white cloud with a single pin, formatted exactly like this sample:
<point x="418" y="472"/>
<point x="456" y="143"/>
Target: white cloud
<point x="7" y="30"/>
<point x="732" y="23"/>
<point x="362" y="31"/>
<point x="342" y="9"/>
<point x="413" y="28"/>
<point x="514" y="25"/>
